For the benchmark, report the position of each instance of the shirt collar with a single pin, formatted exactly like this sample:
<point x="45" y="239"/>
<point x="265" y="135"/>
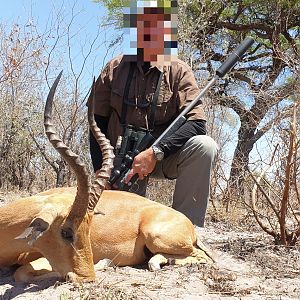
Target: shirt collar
<point x="152" y="66"/>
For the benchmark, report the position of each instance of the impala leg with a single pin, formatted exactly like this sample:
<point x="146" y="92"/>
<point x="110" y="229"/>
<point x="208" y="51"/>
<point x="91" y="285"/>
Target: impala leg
<point x="175" y="250"/>
<point x="35" y="270"/>
<point x="197" y="257"/>
<point x="103" y="264"/>
<point x="156" y="261"/>
<point x="165" y="247"/>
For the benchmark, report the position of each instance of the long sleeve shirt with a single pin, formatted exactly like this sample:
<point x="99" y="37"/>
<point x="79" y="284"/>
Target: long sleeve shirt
<point x="177" y="89"/>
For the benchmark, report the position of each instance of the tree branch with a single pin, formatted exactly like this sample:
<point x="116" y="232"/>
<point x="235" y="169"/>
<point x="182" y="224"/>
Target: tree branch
<point x="42" y="150"/>
<point x="245" y="27"/>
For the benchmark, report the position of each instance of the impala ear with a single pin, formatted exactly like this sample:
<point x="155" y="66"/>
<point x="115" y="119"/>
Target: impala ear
<point x="35" y="230"/>
<point x="41" y="223"/>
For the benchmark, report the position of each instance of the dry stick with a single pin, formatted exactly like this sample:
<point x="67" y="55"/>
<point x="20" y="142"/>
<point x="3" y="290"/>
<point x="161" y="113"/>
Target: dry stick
<point x="255" y="212"/>
<point x="295" y="183"/>
<point x="295" y="172"/>
<point x="254" y="190"/>
<point x="296" y="232"/>
<point x="287" y="181"/>
<point x="259" y="186"/>
<point x="42" y="150"/>
<point x="297" y="146"/>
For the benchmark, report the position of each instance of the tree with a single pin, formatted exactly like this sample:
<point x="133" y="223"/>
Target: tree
<point x="20" y="68"/>
<point x="208" y="31"/>
<point x="264" y="79"/>
<point x="30" y="60"/>
<point x="277" y="207"/>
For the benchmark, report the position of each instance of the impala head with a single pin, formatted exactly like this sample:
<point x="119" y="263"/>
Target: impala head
<point x="62" y="233"/>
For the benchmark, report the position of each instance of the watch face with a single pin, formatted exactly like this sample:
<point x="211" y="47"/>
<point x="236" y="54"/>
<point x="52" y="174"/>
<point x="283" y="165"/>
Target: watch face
<point x="159" y="155"/>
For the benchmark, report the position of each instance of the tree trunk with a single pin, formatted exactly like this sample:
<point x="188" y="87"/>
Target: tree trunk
<point x="61" y="173"/>
<point x="246" y="140"/>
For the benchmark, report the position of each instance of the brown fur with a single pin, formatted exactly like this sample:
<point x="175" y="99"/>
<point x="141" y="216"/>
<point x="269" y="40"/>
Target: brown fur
<point x="126" y="225"/>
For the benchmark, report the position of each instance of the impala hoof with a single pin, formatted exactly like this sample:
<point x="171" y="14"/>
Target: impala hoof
<point x="72" y="277"/>
<point x="103" y="264"/>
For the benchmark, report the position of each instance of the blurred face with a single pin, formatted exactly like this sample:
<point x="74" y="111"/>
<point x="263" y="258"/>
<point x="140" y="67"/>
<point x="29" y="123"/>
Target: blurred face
<point x="151" y="32"/>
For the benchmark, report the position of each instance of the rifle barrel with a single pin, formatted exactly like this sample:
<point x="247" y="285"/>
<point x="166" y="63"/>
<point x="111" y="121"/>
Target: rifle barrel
<point x="222" y="70"/>
<point x="187" y="109"/>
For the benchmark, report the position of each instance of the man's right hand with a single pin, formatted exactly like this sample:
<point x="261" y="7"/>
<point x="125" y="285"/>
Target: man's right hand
<point x="143" y="164"/>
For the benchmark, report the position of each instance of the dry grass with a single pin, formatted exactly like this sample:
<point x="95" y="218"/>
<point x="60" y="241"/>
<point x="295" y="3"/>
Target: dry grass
<point x="249" y="266"/>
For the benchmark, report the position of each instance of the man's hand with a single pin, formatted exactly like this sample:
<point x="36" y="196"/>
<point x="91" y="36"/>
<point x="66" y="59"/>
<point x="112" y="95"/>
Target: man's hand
<point x="143" y="164"/>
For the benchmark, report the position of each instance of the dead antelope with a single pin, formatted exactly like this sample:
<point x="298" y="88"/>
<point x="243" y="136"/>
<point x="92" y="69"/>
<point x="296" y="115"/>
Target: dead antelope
<point x="60" y="232"/>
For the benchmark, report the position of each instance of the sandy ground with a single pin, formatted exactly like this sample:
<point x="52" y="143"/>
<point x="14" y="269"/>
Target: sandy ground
<point x="248" y="266"/>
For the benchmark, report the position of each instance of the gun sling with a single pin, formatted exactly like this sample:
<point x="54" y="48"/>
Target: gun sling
<point x="152" y="104"/>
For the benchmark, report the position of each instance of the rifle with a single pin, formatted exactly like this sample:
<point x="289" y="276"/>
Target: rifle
<point x="146" y="140"/>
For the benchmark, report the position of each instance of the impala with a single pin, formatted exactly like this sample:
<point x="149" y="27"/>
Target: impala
<point x="66" y="231"/>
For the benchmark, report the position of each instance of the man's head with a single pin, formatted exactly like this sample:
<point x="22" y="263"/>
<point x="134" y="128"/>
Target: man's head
<point x="152" y="30"/>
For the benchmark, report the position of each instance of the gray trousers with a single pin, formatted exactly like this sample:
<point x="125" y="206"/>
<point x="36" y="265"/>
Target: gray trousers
<point x="191" y="167"/>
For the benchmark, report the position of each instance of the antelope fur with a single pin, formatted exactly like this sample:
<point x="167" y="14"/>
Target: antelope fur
<point x="59" y="232"/>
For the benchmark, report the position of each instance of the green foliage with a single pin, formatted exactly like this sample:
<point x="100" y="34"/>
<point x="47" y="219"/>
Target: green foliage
<point x="112" y="5"/>
<point x="114" y="8"/>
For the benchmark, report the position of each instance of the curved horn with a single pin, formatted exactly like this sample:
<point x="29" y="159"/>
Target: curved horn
<point x="80" y="204"/>
<point x="108" y="156"/>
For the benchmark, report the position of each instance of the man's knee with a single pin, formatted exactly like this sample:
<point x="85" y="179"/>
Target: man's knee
<point x="203" y="145"/>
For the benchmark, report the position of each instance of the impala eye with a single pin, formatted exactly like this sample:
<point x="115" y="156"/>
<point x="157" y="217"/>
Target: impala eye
<point x="67" y="234"/>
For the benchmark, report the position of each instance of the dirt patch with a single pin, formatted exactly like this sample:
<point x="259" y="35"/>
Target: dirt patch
<point x="248" y="266"/>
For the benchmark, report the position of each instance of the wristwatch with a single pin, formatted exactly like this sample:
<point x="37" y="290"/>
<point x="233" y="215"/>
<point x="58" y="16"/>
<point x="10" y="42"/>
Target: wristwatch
<point x="158" y="153"/>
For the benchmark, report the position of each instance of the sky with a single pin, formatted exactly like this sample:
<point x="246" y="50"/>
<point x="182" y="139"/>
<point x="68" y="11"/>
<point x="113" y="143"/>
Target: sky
<point x="88" y="13"/>
<point x="82" y="17"/>
<point x="88" y="16"/>
<point x="21" y="9"/>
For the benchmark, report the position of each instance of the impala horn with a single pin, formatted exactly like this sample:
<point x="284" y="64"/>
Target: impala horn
<point x="80" y="205"/>
<point x="103" y="175"/>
